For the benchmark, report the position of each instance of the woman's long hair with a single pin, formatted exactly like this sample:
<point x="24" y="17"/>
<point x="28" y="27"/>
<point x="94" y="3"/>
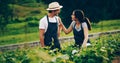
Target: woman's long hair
<point x="79" y="14"/>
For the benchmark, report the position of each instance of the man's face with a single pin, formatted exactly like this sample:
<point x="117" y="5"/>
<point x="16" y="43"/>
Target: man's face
<point x="56" y="12"/>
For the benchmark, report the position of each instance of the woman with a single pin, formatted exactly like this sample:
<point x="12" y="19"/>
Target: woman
<point x="80" y="27"/>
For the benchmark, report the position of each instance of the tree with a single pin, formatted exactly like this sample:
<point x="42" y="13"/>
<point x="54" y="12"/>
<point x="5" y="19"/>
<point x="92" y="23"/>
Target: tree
<point x="25" y="1"/>
<point x="5" y="14"/>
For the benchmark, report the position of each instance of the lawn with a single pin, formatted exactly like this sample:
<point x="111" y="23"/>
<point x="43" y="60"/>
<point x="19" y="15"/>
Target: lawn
<point x="22" y="32"/>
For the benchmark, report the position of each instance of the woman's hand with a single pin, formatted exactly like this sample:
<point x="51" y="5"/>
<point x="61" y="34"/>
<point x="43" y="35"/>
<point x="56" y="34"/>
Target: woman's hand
<point x="84" y="45"/>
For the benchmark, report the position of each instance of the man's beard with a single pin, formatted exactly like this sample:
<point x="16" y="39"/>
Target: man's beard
<point x="56" y="14"/>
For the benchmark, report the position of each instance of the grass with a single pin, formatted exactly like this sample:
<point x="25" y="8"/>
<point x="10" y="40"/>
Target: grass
<point x="109" y="23"/>
<point x="16" y="30"/>
<point x="20" y="38"/>
<point x="18" y="33"/>
<point x="16" y="25"/>
<point x="40" y="4"/>
<point x="26" y="9"/>
<point x="105" y="25"/>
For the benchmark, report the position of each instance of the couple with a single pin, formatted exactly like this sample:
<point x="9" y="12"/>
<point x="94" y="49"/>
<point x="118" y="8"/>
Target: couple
<point x="51" y="25"/>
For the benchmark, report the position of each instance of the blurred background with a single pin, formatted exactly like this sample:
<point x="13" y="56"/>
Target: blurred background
<point x="19" y="19"/>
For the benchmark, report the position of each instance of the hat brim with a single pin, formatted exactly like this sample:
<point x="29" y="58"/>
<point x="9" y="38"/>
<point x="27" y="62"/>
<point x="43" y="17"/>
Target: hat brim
<point x="55" y="8"/>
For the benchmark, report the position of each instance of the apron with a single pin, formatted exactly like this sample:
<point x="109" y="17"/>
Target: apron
<point x="50" y="34"/>
<point x="79" y="36"/>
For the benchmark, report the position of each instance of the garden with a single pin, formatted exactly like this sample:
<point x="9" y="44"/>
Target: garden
<point x="19" y="24"/>
<point x="105" y="49"/>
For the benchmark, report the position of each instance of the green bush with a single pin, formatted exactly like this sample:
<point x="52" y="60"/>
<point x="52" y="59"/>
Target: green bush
<point x="102" y="50"/>
<point x="33" y="24"/>
<point x="35" y="12"/>
<point x="29" y="19"/>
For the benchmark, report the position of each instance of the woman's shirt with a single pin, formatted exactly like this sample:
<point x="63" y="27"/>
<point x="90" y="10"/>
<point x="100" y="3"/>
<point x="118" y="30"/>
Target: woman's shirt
<point x="84" y="25"/>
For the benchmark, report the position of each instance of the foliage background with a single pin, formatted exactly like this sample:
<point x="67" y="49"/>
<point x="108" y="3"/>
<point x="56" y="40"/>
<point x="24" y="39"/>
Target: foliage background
<point x="95" y="10"/>
<point x="19" y="19"/>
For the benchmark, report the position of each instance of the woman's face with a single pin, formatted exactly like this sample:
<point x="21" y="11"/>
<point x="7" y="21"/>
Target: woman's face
<point x="73" y="16"/>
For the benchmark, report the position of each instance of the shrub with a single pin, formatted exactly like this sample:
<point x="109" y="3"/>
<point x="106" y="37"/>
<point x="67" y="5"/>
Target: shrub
<point x="29" y="19"/>
<point x="35" y="12"/>
<point x="33" y="23"/>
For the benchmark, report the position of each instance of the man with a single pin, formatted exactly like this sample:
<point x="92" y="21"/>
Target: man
<point x="49" y="26"/>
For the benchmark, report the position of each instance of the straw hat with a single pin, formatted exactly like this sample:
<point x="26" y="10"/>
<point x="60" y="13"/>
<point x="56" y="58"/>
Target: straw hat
<point x="54" y="6"/>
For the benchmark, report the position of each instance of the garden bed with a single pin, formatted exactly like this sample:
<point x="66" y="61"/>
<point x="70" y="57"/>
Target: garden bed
<point x="105" y="49"/>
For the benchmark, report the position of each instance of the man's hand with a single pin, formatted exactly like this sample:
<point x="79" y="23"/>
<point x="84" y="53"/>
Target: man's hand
<point x="42" y="37"/>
